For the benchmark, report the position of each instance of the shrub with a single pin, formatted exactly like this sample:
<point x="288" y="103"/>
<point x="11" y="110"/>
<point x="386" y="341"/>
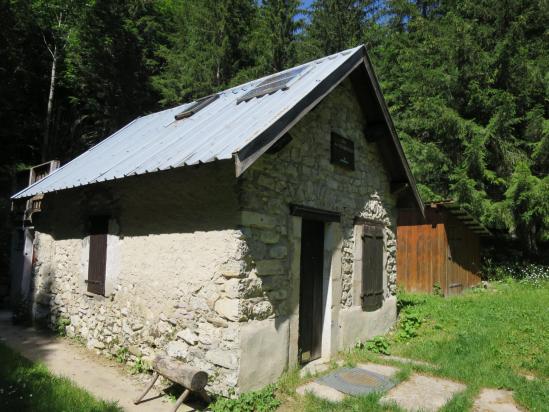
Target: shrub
<point x="263" y="400"/>
<point x="122" y="355"/>
<point x="139" y="366"/>
<point x="61" y="326"/>
<point x="408" y="326"/>
<point x="437" y="289"/>
<point x="378" y="344"/>
<point x="525" y="272"/>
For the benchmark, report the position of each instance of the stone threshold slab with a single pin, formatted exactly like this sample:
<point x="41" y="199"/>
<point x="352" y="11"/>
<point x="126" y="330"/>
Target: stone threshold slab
<point x="321" y="391"/>
<point x="423" y="393"/>
<point x="495" y="400"/>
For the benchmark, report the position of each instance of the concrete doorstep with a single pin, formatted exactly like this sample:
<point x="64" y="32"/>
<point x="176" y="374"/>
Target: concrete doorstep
<point x="423" y="393"/>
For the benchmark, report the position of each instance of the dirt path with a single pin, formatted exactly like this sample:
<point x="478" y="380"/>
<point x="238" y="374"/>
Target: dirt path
<point x="102" y="378"/>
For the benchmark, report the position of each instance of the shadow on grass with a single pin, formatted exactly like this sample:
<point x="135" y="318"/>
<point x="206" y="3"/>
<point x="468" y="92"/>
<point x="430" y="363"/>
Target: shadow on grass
<point x="28" y="386"/>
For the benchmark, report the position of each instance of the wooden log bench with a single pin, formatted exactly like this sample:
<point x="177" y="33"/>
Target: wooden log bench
<point x="193" y="380"/>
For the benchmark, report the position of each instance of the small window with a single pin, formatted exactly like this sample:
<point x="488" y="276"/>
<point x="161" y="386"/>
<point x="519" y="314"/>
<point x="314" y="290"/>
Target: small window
<point x="372" y="267"/>
<point x="99" y="228"/>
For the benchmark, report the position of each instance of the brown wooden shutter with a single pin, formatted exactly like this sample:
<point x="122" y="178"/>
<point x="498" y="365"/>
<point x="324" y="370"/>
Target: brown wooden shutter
<point x="372" y="267"/>
<point x="99" y="227"/>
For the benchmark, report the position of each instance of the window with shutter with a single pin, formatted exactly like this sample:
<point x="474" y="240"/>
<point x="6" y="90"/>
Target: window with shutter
<point x="99" y="227"/>
<point x="372" y="267"/>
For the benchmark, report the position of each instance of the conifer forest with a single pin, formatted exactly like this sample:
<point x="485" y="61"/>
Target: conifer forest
<point x="466" y="81"/>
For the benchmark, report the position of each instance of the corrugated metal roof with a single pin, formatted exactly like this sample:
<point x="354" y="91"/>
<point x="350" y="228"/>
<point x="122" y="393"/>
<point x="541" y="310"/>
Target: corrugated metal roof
<point x="158" y="142"/>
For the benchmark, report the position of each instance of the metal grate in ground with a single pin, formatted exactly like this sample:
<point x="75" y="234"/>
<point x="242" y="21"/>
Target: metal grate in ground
<point x="356" y="381"/>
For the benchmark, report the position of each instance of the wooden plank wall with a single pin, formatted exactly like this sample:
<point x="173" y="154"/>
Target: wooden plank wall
<point x="463" y="263"/>
<point x="438" y="249"/>
<point x="420" y="250"/>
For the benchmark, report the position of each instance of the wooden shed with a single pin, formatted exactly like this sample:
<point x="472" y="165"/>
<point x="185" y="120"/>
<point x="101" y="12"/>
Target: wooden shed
<point x="441" y="248"/>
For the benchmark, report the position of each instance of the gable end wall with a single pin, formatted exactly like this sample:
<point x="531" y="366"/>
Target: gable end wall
<point x="301" y="173"/>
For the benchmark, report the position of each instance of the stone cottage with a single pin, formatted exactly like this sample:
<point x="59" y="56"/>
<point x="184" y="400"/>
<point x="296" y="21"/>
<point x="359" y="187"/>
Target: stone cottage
<point x="244" y="233"/>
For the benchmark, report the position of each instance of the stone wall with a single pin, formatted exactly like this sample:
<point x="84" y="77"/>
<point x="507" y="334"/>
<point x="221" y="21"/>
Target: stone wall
<point x="200" y="264"/>
<point x="301" y="173"/>
<point x="173" y="250"/>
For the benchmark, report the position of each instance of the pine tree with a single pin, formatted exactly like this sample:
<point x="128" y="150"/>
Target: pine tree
<point x="208" y="50"/>
<point x="335" y="25"/>
<point x="280" y="24"/>
<point x="56" y="19"/>
<point x="109" y="62"/>
<point x="527" y="200"/>
<point x="466" y="86"/>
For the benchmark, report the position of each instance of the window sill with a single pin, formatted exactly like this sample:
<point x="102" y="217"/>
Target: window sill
<point x="93" y="295"/>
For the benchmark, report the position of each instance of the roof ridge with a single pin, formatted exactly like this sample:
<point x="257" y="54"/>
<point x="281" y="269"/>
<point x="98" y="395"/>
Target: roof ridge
<point x="250" y="82"/>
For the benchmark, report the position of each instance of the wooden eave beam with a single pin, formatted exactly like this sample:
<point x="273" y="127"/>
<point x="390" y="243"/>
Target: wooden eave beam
<point x="314" y="213"/>
<point x="399" y="187"/>
<point x="376" y="131"/>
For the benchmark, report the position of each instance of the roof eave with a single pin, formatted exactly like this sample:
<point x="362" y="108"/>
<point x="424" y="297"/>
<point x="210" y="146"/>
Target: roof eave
<point x="249" y="153"/>
<point x="464" y="217"/>
<point x="388" y="119"/>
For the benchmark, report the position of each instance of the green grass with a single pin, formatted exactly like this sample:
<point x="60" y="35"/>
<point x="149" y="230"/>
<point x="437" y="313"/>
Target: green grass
<point x="28" y="386"/>
<point x="483" y="338"/>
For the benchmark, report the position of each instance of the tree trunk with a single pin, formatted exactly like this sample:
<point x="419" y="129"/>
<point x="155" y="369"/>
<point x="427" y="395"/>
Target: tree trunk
<point x="53" y="78"/>
<point x="178" y="372"/>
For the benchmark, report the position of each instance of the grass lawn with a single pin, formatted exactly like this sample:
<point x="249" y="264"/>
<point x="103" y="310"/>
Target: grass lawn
<point x="28" y="386"/>
<point x="483" y="338"/>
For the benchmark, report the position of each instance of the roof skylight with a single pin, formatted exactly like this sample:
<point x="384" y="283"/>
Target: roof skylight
<point x="272" y="84"/>
<point x="196" y="107"/>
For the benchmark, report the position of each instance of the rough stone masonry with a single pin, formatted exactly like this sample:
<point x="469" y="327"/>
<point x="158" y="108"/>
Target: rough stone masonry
<point x="203" y="266"/>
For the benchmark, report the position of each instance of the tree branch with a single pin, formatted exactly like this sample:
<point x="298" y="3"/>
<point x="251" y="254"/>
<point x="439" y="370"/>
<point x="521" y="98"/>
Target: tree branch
<point x="47" y="45"/>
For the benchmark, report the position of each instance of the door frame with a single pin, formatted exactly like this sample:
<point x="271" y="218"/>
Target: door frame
<point x="331" y="280"/>
<point x="21" y="264"/>
<point x="313" y="294"/>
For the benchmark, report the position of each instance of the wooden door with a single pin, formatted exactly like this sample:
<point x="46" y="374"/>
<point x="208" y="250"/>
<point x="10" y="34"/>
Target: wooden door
<point x="311" y="308"/>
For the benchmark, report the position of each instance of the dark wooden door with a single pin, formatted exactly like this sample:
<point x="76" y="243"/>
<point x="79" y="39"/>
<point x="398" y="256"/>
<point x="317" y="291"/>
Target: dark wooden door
<point x="372" y="267"/>
<point x="311" y="308"/>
